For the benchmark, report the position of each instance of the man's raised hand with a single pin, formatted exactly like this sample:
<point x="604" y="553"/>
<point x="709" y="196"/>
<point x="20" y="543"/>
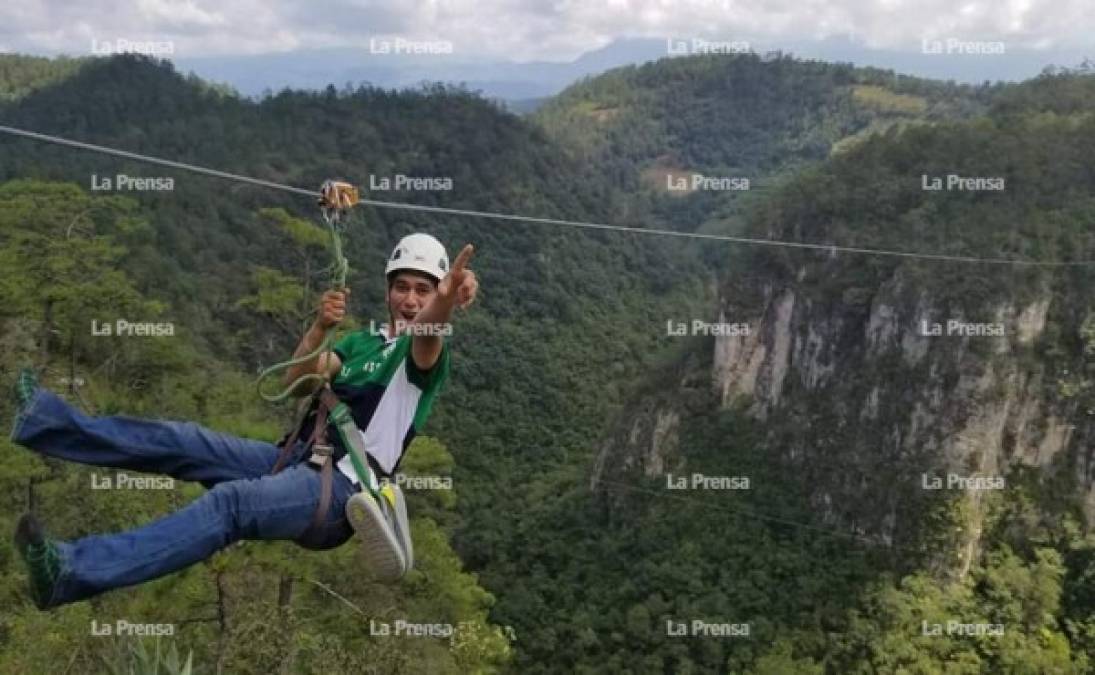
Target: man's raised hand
<point x="460" y="285"/>
<point x="332" y="308"/>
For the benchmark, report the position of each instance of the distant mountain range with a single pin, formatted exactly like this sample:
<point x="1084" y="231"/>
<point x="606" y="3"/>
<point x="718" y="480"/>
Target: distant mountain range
<point x="522" y="84"/>
<point x="507" y="80"/>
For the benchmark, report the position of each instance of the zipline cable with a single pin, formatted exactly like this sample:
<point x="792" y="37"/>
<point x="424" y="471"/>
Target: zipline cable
<point x="831" y="248"/>
<point x="156" y="160"/>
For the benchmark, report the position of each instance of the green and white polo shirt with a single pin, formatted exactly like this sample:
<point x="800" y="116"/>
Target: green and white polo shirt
<point x="388" y="395"/>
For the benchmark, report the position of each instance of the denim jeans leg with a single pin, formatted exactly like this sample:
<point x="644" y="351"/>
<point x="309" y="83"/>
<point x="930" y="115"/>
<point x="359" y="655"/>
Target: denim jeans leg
<point x="182" y="450"/>
<point x="272" y="507"/>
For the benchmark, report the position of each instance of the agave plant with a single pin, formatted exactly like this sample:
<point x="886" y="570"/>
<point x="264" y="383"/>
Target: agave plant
<point x="137" y="660"/>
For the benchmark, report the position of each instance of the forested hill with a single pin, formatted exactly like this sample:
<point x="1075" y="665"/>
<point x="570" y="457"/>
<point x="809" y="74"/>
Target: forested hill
<point x="648" y="128"/>
<point x="214" y="249"/>
<point x="742" y="113"/>
<point x="491" y="158"/>
<point x="840" y="401"/>
<point x="20" y="75"/>
<point x="563" y="373"/>
<point x="236" y="270"/>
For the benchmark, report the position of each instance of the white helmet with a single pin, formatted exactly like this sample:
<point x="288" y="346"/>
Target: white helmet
<point x="421" y="252"/>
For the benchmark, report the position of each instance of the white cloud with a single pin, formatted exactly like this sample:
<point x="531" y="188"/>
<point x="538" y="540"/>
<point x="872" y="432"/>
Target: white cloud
<point x="532" y="29"/>
<point x="180" y="15"/>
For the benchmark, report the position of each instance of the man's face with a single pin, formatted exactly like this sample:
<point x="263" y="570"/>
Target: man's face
<point x="408" y="294"/>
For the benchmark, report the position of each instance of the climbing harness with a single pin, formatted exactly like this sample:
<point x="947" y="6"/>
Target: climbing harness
<point x="378" y="513"/>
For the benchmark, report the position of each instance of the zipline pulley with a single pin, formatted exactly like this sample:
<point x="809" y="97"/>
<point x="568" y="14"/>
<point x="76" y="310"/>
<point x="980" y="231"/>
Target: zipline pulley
<point x="336" y="198"/>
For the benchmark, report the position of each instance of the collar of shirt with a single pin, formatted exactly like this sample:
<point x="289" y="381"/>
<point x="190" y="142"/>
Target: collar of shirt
<point x="385" y="333"/>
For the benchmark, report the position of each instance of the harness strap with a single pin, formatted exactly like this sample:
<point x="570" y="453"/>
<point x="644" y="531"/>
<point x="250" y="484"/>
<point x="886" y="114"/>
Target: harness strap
<point x="350" y="439"/>
<point x="288" y="441"/>
<point x="321" y="449"/>
<point x="321" y="455"/>
<point x="329" y="408"/>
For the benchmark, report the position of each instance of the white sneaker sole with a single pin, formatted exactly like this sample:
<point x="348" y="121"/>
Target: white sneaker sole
<point x="379" y="543"/>
<point x="402" y="526"/>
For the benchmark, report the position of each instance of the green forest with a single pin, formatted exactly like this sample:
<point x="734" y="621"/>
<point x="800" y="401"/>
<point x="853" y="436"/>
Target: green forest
<point x="540" y="568"/>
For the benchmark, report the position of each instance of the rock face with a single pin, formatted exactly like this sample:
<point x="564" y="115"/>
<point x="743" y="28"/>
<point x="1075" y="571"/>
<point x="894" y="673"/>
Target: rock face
<point x="756" y="365"/>
<point x="870" y="394"/>
<point x="651" y="439"/>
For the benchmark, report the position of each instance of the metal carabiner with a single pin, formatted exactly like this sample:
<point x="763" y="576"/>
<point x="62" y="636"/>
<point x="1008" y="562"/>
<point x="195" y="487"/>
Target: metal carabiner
<point x="336" y="197"/>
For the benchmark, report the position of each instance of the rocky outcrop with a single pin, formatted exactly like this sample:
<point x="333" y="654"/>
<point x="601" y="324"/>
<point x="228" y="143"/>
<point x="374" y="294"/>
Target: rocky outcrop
<point x="874" y="392"/>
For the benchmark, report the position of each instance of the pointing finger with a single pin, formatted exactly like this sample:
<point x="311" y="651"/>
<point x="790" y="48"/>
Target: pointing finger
<point x="462" y="258"/>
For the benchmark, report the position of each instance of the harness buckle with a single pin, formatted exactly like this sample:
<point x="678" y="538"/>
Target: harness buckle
<point x="321" y="452"/>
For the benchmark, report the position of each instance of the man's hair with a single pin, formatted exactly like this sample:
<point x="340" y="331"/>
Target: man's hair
<point x="394" y="273"/>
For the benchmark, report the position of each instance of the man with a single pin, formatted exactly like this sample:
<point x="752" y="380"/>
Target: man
<point x="388" y="378"/>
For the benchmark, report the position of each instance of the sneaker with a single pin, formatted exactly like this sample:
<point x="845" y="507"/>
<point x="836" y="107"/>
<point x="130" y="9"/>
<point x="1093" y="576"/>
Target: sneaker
<point x="25" y="386"/>
<point x="42" y="558"/>
<point x="376" y="532"/>
<point x="400" y="521"/>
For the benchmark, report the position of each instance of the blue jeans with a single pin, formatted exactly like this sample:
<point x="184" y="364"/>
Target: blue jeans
<point x="243" y="502"/>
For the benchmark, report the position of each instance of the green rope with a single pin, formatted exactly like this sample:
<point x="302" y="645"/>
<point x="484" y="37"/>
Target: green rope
<point x="340" y="269"/>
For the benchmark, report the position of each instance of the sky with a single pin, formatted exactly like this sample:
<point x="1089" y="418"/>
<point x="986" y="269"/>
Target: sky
<point x="531" y="30"/>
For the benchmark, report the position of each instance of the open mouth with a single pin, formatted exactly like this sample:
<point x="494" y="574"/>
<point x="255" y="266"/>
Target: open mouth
<point x="407" y="316"/>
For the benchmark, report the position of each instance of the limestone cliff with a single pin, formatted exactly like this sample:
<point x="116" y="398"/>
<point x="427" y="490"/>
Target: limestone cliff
<point x="870" y="393"/>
